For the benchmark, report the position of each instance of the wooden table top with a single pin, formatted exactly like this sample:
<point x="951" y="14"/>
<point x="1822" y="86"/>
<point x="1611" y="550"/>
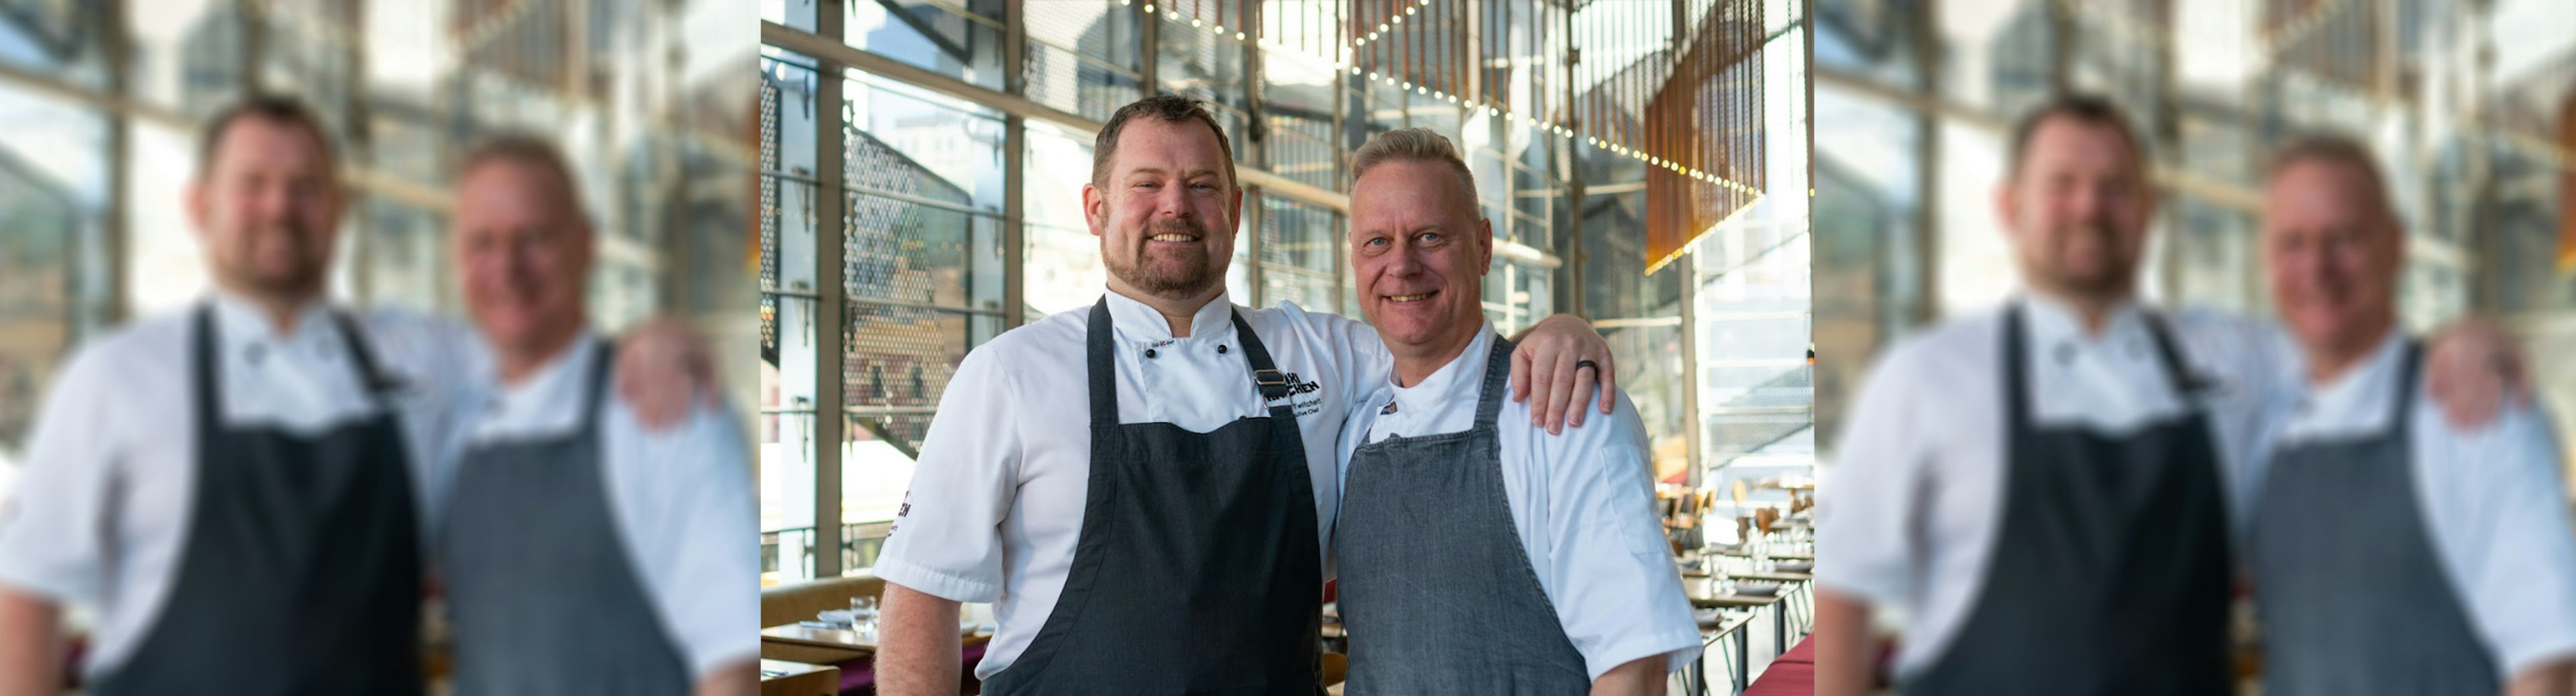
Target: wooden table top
<point x="1733" y="601"/>
<point x="771" y="670"/>
<point x="1774" y="576"/>
<point x="840" y="638"/>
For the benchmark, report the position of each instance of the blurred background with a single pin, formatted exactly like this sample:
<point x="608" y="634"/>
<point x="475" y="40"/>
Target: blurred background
<point x="2467" y="103"/>
<point x="100" y="102"/>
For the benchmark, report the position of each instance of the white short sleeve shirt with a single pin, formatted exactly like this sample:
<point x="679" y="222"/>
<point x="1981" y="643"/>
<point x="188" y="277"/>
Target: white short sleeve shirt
<point x="997" y="498"/>
<point x="102" y="508"/>
<point x="1582" y="504"/>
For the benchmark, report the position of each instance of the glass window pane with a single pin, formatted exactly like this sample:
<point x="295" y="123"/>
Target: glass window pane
<point x="53" y="196"/>
<point x="933" y="35"/>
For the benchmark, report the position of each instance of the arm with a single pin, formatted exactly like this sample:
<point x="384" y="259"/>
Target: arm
<point x="737" y="678"/>
<point x="1865" y="514"/>
<point x="31" y="644"/>
<point x="2554" y="678"/>
<point x="1544" y="371"/>
<point x="1845" y="648"/>
<point x="917" y="655"/>
<point x="1639" y="677"/>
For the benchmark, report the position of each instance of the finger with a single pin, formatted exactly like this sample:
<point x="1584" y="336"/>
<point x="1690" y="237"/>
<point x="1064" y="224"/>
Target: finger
<point x="1581" y="395"/>
<point x="1520" y="374"/>
<point x="1606" y="378"/>
<point x="1542" y="381"/>
<point x="1560" y="392"/>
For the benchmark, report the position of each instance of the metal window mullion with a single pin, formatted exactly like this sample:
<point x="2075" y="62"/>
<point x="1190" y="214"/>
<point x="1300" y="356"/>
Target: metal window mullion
<point x="111" y="309"/>
<point x="1015" y="144"/>
<point x="830" y="212"/>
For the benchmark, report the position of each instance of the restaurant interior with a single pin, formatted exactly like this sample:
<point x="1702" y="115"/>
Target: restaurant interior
<point x="958" y="226"/>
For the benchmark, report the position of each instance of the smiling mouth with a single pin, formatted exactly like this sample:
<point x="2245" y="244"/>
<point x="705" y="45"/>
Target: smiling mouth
<point x="1174" y="237"/>
<point x="1411" y="298"/>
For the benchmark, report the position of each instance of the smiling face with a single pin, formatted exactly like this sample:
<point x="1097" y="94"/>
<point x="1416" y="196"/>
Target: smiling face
<point x="1420" y="254"/>
<point x="1164" y="211"/>
<point x="2332" y="252"/>
<point x="267" y="207"/>
<point x="523" y="253"/>
<point x="2077" y="208"/>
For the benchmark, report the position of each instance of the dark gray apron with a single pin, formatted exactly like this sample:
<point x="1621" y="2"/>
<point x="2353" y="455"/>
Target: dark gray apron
<point x="1197" y="570"/>
<point x="301" y="572"/>
<point x="2351" y="594"/>
<point x="2110" y="574"/>
<point x="1436" y="590"/>
<point x="545" y="599"/>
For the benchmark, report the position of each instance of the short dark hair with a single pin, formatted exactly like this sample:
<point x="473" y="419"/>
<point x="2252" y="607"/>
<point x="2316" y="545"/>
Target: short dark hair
<point x="531" y="150"/>
<point x="2336" y="149"/>
<point x="273" y="108"/>
<point x="1168" y="108"/>
<point x="2088" y="109"/>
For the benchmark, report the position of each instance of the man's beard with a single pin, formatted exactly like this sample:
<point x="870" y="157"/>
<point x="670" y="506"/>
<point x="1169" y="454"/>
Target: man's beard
<point x="2116" y="274"/>
<point x="304" y="274"/>
<point x="1194" y="275"/>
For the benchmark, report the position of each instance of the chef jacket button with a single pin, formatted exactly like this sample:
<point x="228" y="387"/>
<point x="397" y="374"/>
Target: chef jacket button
<point x="1149" y="353"/>
<point x="1220" y="349"/>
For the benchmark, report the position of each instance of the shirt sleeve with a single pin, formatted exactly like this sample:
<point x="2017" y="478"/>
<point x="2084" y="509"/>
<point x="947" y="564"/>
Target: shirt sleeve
<point x="947" y="539"/>
<point x="1619" y="596"/>
<point x="52" y="538"/>
<point x="2513" y="544"/>
<point x="708" y="509"/>
<point x="1865" y="501"/>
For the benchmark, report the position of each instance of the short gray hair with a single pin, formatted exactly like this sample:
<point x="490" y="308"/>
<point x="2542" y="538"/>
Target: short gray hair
<point x="1414" y="145"/>
<point x="2338" y="149"/>
<point x="531" y="150"/>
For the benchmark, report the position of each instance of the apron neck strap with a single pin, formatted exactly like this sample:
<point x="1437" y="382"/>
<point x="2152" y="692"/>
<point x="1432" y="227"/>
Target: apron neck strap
<point x="1099" y="347"/>
<point x="2410" y="369"/>
<point x="1498" y="372"/>
<point x="2186" y="383"/>
<point x="209" y="384"/>
<point x="603" y="362"/>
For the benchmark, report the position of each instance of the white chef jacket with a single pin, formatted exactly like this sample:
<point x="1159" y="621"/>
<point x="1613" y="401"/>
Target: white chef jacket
<point x="2492" y="499"/>
<point x="1582" y="504"/>
<point x="103" y="507"/>
<point x="997" y="499"/>
<point x="681" y="499"/>
<point x="1911" y="507"/>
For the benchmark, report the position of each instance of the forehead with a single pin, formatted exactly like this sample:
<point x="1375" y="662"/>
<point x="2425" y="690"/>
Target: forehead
<point x="2066" y="142"/>
<point x="2316" y="191"/>
<point x="511" y="189"/>
<point x="1409" y="193"/>
<point x="1173" y="146"/>
<point x="253" y="140"/>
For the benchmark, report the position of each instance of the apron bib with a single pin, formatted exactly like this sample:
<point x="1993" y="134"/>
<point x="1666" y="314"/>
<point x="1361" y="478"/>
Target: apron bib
<point x="301" y="572"/>
<point x="2111" y="574"/>
<point x="544" y="596"/>
<point x="1438" y="594"/>
<point x="2350" y="592"/>
<point x="1197" y="570"/>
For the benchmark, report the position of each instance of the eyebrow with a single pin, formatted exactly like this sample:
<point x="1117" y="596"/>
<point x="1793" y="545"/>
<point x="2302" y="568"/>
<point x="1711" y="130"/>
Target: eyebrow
<point x="1157" y="172"/>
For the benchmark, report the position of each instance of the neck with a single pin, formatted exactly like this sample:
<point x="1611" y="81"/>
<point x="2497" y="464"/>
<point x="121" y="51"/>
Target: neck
<point x="519" y="362"/>
<point x="2093" y="310"/>
<point x="2329" y="360"/>
<point x="1178" y="312"/>
<point x="281" y="309"/>
<point x="1416" y="363"/>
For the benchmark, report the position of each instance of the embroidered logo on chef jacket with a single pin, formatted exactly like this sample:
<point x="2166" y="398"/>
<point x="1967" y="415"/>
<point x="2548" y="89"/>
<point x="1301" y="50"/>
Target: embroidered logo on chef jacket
<point x="1298" y="387"/>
